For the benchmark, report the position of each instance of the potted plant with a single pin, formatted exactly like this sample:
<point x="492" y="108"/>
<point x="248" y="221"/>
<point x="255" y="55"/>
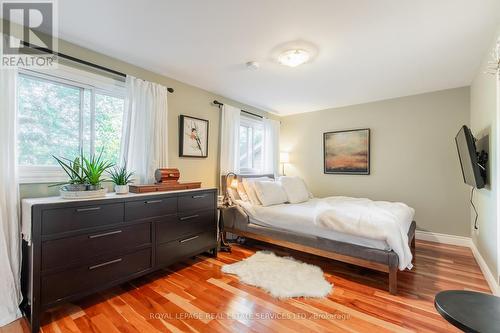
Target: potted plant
<point x="85" y="176"/>
<point x="93" y="168"/>
<point x="121" y="178"/>
<point x="77" y="179"/>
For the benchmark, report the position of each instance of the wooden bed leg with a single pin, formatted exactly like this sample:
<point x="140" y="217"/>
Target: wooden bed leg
<point x="393" y="280"/>
<point x="412" y="247"/>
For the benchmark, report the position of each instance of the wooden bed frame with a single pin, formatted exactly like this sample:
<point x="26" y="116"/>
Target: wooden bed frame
<point x="234" y="213"/>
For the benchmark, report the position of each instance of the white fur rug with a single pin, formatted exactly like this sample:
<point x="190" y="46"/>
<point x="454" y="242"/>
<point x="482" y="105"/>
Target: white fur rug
<point x="282" y="277"/>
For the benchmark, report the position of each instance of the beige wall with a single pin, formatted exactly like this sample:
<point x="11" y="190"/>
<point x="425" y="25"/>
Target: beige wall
<point x="186" y="100"/>
<point x="413" y="155"/>
<point x="484" y="113"/>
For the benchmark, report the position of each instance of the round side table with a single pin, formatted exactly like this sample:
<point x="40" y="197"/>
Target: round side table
<point x="470" y="311"/>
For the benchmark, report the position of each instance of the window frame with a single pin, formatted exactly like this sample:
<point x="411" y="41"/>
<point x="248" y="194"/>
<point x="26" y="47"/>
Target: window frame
<point x="75" y="78"/>
<point x="250" y="122"/>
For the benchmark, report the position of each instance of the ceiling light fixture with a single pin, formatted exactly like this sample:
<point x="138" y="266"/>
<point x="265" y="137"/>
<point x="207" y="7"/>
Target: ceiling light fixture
<point x="294" y="58"/>
<point x="253" y="65"/>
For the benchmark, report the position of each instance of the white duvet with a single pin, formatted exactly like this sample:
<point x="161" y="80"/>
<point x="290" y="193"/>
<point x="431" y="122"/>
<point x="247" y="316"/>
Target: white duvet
<point x="377" y="224"/>
<point x="382" y="220"/>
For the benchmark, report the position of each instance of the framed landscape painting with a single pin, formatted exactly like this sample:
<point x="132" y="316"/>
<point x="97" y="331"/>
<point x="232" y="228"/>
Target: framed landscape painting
<point x="193" y="137"/>
<point x="347" y="152"/>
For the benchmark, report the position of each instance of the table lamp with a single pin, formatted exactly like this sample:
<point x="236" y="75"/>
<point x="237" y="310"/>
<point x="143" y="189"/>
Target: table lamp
<point x="284" y="158"/>
<point x="234" y="185"/>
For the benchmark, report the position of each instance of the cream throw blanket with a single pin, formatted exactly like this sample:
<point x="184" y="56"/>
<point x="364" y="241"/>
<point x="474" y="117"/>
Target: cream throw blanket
<point x="381" y="220"/>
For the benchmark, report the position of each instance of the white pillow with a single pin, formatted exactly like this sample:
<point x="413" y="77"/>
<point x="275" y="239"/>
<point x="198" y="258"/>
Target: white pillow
<point x="242" y="193"/>
<point x="248" y="185"/>
<point x="270" y="193"/>
<point x="295" y="189"/>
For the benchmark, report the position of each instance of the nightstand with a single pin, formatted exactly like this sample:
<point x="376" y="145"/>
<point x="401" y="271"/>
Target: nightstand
<point x="223" y="244"/>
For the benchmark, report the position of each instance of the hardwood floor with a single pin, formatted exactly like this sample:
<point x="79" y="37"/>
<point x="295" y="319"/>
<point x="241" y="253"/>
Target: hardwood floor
<point x="196" y="297"/>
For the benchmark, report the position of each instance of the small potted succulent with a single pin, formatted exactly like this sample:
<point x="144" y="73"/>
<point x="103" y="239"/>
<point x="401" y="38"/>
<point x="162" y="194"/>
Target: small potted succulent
<point x="121" y="178"/>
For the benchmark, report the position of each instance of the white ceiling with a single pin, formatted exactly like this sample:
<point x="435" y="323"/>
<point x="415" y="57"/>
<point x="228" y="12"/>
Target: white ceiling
<point x="366" y="49"/>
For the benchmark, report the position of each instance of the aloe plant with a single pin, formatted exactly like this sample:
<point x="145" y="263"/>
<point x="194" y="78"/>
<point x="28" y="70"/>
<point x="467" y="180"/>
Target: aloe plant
<point x="83" y="170"/>
<point x="74" y="170"/>
<point x="94" y="167"/>
<point x="120" y="176"/>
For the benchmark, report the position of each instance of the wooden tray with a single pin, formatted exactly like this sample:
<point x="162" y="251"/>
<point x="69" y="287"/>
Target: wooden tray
<point x="163" y="187"/>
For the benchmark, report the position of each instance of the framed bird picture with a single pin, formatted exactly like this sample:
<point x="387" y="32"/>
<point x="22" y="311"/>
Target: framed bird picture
<point x="193" y="137"/>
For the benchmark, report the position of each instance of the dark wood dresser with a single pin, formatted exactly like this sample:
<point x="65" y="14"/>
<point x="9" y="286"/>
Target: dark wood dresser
<point x="81" y="247"/>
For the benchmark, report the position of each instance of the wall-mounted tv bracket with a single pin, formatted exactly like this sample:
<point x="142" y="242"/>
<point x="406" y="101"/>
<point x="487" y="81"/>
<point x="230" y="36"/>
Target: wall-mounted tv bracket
<point x="482" y="162"/>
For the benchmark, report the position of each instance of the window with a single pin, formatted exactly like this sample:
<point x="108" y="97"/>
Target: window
<point x="251" y="145"/>
<point x="63" y="114"/>
<point x="108" y="125"/>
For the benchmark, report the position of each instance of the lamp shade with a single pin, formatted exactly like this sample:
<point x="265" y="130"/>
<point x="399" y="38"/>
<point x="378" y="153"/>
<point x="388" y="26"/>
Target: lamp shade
<point x="284" y="157"/>
<point x="234" y="183"/>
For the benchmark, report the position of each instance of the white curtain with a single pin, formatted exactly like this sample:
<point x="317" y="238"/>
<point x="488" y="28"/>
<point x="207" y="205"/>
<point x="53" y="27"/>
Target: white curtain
<point x="271" y="146"/>
<point x="144" y="135"/>
<point x="229" y="139"/>
<point x="10" y="239"/>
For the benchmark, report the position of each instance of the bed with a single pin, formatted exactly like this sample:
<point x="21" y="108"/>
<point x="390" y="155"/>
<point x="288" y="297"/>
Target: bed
<point x="290" y="226"/>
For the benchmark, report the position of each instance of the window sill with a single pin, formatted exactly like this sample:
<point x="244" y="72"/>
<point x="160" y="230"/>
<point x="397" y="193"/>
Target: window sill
<point x="250" y="172"/>
<point x="41" y="175"/>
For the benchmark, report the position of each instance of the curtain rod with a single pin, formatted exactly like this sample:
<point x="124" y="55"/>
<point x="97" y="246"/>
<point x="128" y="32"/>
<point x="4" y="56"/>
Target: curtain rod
<point x="216" y="102"/>
<point x="80" y="61"/>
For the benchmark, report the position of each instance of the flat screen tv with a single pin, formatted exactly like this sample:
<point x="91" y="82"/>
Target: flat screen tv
<point x="472" y="170"/>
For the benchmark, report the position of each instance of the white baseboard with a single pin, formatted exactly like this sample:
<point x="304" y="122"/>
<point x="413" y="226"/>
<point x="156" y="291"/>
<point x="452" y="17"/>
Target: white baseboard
<point x="467" y="242"/>
<point x="443" y="238"/>
<point x="490" y="278"/>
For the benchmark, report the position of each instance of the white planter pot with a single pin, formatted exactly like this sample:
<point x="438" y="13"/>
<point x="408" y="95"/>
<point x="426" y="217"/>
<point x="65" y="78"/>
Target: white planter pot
<point x="121" y="189"/>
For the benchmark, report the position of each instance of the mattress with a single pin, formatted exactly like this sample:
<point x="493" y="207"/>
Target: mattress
<point x="299" y="218"/>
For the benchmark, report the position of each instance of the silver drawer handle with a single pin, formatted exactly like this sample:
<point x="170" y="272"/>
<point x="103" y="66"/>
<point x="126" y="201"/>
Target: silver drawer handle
<point x="188" y="239"/>
<point x="81" y="210"/>
<point x="152" y="202"/>
<point x="199" y="196"/>
<point x="105" y="263"/>
<point x="106" y="234"/>
<point x="189" y="217"/>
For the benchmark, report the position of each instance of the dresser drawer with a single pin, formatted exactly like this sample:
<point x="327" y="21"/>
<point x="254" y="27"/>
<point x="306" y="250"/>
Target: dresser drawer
<point x="95" y="275"/>
<point x="176" y="227"/>
<point x="69" y="219"/>
<point x="196" y="201"/>
<point x="152" y="207"/>
<point x="60" y="252"/>
<point x="171" y="252"/>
